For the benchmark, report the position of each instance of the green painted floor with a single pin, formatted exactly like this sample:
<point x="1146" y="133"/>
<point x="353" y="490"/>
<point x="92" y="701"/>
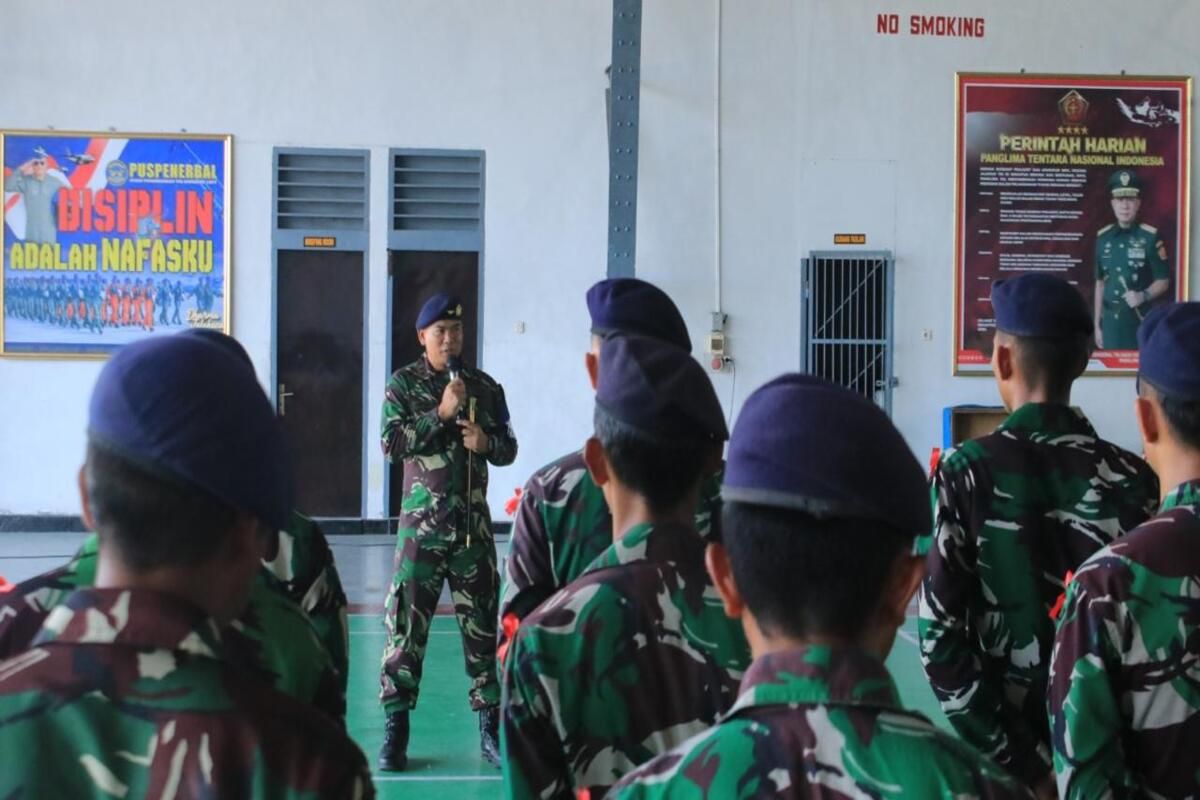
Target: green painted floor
<point x="444" y="754"/>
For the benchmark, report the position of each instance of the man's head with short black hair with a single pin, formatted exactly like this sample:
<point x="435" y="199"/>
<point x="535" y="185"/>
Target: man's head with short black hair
<point x="1168" y="402"/>
<point x="663" y="471"/>
<point x="822" y="502"/>
<point x="804" y="577"/>
<point x="1042" y="341"/>
<point x="1049" y="363"/>
<point x="154" y="521"/>
<point x="659" y="427"/>
<point x="1182" y="416"/>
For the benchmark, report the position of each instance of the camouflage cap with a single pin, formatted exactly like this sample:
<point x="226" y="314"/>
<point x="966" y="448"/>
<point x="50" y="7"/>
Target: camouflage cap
<point x="631" y="305"/>
<point x="1040" y="305"/>
<point x="188" y="409"/>
<point x="805" y="444"/>
<point x="438" y="307"/>
<point x="1124" y="183"/>
<point x="658" y="390"/>
<point x="1169" y="350"/>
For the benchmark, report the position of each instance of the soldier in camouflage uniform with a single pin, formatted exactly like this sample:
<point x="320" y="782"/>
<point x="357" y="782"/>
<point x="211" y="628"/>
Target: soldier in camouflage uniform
<point x="562" y="522"/>
<point x="1123" y="704"/>
<point x="129" y="689"/>
<point x="304" y="571"/>
<point x="445" y="430"/>
<point x="1132" y="271"/>
<point x="1014" y="512"/>
<point x="817" y="565"/>
<point x="634" y="655"/>
<point x="272" y="636"/>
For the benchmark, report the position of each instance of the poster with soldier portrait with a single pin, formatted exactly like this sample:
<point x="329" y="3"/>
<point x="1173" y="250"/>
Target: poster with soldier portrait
<point x="111" y="237"/>
<point x="1084" y="177"/>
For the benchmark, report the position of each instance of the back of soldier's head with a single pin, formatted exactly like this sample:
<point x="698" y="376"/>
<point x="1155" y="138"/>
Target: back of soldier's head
<point x="657" y="418"/>
<point x="181" y="439"/>
<point x="1169" y="367"/>
<point x="821" y="497"/>
<point x="1048" y="324"/>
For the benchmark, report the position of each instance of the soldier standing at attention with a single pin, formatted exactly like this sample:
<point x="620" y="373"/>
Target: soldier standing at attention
<point x="1123" y="702"/>
<point x="634" y="655"/>
<point x="817" y="565"/>
<point x="1014" y="512"/>
<point x="129" y="689"/>
<point x="445" y="430"/>
<point x="1131" y="267"/>
<point x="562" y="522"/>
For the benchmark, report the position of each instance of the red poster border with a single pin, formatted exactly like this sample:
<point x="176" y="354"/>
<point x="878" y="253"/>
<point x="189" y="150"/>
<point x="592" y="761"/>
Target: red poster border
<point x="963" y="81"/>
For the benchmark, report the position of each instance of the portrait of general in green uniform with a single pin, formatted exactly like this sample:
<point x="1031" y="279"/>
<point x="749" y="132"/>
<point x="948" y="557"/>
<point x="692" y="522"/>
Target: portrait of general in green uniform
<point x="1132" y="270"/>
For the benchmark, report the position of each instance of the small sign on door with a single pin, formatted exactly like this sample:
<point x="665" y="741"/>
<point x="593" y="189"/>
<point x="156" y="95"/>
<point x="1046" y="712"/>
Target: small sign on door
<point x="320" y="241"/>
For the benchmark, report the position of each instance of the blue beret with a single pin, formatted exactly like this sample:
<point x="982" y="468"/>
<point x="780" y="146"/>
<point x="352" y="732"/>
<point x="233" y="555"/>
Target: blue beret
<point x="1169" y="350"/>
<point x="231" y="345"/>
<point x="1040" y="305"/>
<point x="186" y="408"/>
<point x="440" y="306"/>
<point x="629" y="305"/>
<point x="805" y="444"/>
<point x="657" y="390"/>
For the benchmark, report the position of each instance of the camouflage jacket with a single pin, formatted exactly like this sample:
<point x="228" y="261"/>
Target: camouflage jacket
<point x="626" y="662"/>
<point x="1014" y="511"/>
<point x="435" y="461"/>
<point x="562" y="524"/>
<point x="272" y="637"/>
<point x="1124" y="704"/>
<point x="306" y="575"/>
<point x="820" y="722"/>
<point x="127" y="693"/>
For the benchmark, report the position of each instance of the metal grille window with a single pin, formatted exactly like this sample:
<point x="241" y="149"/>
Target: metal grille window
<point x="320" y="190"/>
<point x="847" y="332"/>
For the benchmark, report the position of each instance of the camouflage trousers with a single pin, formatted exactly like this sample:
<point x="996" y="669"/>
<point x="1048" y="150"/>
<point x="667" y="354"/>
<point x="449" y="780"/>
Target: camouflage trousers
<point x="422" y="564"/>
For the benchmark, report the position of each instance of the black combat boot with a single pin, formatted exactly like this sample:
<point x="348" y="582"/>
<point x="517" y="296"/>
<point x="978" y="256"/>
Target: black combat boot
<point x="489" y="734"/>
<point x="393" y="755"/>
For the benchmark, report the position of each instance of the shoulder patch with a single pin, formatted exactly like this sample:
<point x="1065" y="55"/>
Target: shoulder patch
<point x="1148" y="228"/>
<point x="1104" y="230"/>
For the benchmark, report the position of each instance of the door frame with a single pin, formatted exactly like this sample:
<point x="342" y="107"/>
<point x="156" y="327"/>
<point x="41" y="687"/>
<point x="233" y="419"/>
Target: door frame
<point x="435" y="241"/>
<point x="353" y="241"/>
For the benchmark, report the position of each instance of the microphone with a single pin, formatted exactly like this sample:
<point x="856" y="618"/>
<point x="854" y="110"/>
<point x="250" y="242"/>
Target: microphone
<point x="454" y="366"/>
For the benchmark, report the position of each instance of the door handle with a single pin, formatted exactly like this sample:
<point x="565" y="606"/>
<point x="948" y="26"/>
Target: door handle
<point x="283" y="396"/>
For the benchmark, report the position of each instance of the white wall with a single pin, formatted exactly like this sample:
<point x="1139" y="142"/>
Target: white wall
<point x="816" y="110"/>
<point x="829" y="127"/>
<point x="524" y="81"/>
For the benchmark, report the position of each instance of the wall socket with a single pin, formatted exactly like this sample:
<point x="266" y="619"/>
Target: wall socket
<point x="927" y="334"/>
